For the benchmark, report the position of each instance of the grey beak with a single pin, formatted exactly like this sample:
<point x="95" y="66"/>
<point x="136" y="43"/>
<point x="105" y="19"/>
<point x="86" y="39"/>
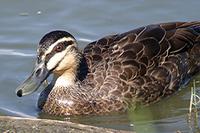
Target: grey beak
<point x="33" y="82"/>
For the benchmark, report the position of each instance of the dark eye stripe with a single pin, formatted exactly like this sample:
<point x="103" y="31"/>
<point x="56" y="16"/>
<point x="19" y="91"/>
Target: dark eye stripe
<point x="64" y="45"/>
<point x="69" y="43"/>
<point x="48" y="57"/>
<point x="59" y="47"/>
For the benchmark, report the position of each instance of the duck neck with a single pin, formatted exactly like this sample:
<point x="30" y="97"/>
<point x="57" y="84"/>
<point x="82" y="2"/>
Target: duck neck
<point x="70" y="77"/>
<point x="67" y="79"/>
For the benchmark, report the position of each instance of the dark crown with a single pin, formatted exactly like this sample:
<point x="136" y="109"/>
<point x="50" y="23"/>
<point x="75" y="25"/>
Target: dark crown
<point x="52" y="37"/>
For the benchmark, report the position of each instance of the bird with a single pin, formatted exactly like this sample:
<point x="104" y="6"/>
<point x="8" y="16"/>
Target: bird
<point x="114" y="73"/>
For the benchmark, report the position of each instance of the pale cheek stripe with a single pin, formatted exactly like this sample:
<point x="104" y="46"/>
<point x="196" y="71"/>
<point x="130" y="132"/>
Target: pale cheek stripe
<point x="55" y="60"/>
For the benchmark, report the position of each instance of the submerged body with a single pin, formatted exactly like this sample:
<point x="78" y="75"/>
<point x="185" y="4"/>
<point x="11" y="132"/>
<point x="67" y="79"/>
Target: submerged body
<point x="111" y="74"/>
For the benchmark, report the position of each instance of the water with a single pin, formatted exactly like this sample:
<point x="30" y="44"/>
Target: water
<point x="24" y="22"/>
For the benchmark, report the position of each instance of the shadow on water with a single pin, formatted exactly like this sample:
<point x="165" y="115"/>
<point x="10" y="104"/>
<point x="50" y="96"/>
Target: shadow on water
<point x="168" y="115"/>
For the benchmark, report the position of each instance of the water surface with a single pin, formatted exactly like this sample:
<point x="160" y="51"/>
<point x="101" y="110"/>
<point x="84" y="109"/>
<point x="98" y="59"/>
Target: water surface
<point x="24" y="22"/>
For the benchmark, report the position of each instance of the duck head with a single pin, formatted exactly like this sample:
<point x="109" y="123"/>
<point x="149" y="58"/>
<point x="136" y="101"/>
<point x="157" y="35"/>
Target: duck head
<point x="57" y="53"/>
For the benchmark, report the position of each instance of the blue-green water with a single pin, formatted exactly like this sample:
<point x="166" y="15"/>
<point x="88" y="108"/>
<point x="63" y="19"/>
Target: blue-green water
<point x="23" y="23"/>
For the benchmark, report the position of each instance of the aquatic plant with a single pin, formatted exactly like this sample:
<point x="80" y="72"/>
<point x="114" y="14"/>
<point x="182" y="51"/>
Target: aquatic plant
<point x="193" y="120"/>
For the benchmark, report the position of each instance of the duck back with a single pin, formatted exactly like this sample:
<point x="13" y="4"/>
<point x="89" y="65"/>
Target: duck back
<point x="144" y="64"/>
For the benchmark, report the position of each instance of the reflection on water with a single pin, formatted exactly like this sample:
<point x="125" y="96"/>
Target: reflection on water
<point x="23" y="23"/>
<point x="117" y="121"/>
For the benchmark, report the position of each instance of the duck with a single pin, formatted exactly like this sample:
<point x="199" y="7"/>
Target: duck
<point x="141" y="66"/>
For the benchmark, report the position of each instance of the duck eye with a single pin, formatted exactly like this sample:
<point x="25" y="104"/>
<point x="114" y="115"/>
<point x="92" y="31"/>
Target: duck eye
<point x="59" y="48"/>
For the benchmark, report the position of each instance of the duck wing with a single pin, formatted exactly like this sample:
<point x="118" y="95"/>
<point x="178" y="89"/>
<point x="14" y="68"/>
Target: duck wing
<point x="147" y="63"/>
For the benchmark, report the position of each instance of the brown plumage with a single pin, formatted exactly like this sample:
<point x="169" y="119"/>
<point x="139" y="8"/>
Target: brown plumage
<point x="140" y="66"/>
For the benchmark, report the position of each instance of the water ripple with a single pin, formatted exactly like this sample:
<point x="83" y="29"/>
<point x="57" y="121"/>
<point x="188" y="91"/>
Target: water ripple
<point x="16" y="113"/>
<point x="85" y="40"/>
<point x="14" y="52"/>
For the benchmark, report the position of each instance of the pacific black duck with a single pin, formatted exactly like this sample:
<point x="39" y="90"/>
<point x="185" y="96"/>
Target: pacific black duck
<point x="110" y="75"/>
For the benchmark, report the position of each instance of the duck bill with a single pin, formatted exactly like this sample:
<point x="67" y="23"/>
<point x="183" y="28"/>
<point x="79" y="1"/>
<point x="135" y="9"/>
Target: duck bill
<point x="33" y="82"/>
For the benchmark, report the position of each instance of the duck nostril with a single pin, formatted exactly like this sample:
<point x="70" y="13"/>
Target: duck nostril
<point x="37" y="73"/>
<point x="19" y="93"/>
